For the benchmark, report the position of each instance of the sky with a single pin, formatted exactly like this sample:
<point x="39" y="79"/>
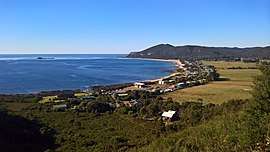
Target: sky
<point x="122" y="26"/>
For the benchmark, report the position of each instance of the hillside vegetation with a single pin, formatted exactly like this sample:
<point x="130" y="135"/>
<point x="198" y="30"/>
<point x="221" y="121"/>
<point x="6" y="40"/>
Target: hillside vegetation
<point x="245" y="130"/>
<point x="167" y="51"/>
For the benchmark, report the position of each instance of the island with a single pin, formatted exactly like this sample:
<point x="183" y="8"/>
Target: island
<point x="45" y="58"/>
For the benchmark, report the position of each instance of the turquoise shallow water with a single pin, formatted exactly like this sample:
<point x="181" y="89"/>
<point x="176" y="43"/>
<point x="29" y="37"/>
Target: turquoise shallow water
<point x="28" y="74"/>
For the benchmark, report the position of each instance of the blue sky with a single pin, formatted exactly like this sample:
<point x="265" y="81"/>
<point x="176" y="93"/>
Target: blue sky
<point x="121" y="26"/>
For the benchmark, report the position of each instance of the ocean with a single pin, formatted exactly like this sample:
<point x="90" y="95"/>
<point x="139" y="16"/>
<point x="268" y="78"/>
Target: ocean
<point x="35" y="73"/>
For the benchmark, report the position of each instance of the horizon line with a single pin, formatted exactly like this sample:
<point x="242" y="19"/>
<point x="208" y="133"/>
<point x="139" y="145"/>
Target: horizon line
<point x="68" y="52"/>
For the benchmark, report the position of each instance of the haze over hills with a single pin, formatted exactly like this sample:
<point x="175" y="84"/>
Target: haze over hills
<point x="167" y="51"/>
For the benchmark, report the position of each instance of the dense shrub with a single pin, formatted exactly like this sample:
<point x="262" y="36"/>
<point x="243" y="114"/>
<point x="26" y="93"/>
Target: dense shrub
<point x="257" y="115"/>
<point x="99" y="107"/>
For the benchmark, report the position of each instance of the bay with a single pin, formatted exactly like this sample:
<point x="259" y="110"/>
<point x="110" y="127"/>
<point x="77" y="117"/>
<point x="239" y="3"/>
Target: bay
<point x="39" y="72"/>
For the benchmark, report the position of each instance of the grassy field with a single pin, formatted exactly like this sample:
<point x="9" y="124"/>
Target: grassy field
<point x="79" y="95"/>
<point x="226" y="65"/>
<point x="238" y="85"/>
<point x="48" y="99"/>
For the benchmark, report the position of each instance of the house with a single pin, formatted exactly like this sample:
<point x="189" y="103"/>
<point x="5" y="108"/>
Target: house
<point x="122" y="94"/>
<point x="139" y="85"/>
<point x="169" y="115"/>
<point x="88" y="98"/>
<point x="188" y="83"/>
<point x="166" y="80"/>
<point x="161" y="82"/>
<point x="171" y="81"/>
<point x="168" y="90"/>
<point x="180" y="85"/>
<point x="61" y="107"/>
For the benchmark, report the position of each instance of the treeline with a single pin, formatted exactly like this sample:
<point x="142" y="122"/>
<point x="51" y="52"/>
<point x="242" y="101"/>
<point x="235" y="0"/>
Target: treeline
<point x="21" y="98"/>
<point x="239" y="67"/>
<point x="34" y="98"/>
<point x="111" y="87"/>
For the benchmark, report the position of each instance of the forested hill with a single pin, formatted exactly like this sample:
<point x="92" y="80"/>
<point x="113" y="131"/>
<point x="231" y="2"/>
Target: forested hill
<point x="167" y="51"/>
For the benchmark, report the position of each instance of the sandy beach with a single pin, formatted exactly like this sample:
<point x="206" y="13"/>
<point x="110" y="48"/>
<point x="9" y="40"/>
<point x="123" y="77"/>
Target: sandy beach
<point x="177" y="63"/>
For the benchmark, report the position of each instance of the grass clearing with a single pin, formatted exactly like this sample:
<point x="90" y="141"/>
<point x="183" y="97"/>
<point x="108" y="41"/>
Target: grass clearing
<point x="237" y="87"/>
<point x="81" y="94"/>
<point x="48" y="99"/>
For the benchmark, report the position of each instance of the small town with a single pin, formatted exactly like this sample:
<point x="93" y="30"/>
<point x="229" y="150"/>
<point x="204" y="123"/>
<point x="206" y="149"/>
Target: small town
<point x="186" y="74"/>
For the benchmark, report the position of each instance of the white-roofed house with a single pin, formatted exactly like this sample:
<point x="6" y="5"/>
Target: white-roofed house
<point x="61" y="107"/>
<point x="169" y="115"/>
<point x="139" y="85"/>
<point x="161" y="82"/>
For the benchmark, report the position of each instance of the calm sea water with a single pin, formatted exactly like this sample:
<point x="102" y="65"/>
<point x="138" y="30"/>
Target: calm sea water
<point x="27" y="74"/>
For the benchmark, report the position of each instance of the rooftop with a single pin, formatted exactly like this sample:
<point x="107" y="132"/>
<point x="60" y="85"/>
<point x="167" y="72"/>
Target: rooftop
<point x="168" y="114"/>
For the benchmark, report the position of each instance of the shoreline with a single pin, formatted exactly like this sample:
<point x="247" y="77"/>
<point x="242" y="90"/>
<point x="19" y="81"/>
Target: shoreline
<point x="177" y="64"/>
<point x="175" y="61"/>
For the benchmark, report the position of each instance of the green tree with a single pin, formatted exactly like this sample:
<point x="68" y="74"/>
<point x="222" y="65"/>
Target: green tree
<point x="258" y="112"/>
